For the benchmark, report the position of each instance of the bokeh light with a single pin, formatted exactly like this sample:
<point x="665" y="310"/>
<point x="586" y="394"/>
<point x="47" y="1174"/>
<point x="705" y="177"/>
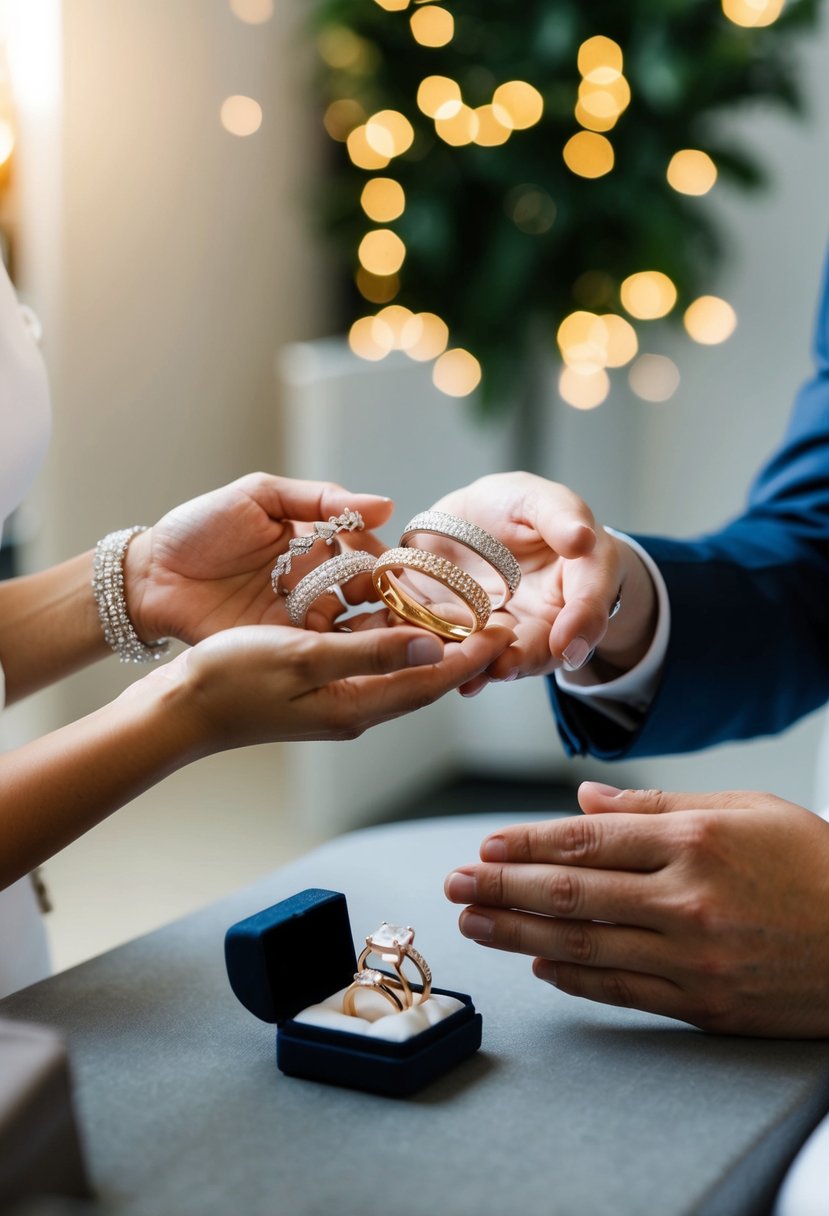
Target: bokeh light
<point x="434" y="92"/>
<point x="425" y="336"/>
<point x="521" y="103"/>
<point x="393" y="6"/>
<point x="341" y="118"/>
<point x="654" y="377"/>
<point x="492" y="132"/>
<point x="583" y="390"/>
<point x="691" y="171"/>
<point x="6" y="140"/>
<point x="389" y="133"/>
<point x="381" y="252"/>
<point x="710" y="320"/>
<point x="252" y="12"/>
<point x="599" y="52"/>
<point x="588" y="154"/>
<point x="361" y="152"/>
<point x="751" y="13"/>
<point x="432" y="26"/>
<point x="456" y="372"/>
<point x="458" y="128"/>
<point x="383" y="199"/>
<point x="240" y="115"/>
<point x="363" y="341"/>
<point x="649" y="294"/>
<point x="376" y="288"/>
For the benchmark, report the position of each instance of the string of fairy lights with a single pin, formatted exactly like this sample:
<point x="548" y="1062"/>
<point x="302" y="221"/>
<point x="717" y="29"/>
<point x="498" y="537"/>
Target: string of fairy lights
<point x="590" y="344"/>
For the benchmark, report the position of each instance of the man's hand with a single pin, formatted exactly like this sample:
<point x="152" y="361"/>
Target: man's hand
<point x="710" y="908"/>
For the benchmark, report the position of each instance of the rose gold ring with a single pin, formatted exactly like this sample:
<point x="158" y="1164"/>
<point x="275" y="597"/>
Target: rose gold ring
<point x="393" y="944"/>
<point x="367" y="979"/>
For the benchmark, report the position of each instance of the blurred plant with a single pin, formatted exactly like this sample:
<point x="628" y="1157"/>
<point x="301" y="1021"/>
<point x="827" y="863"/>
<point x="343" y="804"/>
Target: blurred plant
<point x="507" y="169"/>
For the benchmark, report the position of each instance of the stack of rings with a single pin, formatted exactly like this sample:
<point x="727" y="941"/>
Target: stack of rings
<point x="392" y="944"/>
<point x="337" y="570"/>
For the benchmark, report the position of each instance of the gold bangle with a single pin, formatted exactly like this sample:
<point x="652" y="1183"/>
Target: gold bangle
<point x="476" y="539"/>
<point x="460" y="583"/>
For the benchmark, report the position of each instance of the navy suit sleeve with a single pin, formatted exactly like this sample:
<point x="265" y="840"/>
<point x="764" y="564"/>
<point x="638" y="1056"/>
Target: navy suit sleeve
<point x="749" y="647"/>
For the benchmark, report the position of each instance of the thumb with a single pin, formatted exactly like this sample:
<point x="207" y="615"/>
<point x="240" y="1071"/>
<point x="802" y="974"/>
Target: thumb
<point x="595" y="798"/>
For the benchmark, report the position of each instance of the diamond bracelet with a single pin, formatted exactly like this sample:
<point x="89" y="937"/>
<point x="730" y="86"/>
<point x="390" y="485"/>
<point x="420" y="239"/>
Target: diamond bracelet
<point x="108" y="589"/>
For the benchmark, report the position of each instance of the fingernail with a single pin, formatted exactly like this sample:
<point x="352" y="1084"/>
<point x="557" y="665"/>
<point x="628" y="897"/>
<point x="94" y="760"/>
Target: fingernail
<point x="609" y="791"/>
<point x="460" y="888"/>
<point x="479" y="928"/>
<point x="474" y="691"/>
<point x="549" y="975"/>
<point x="576" y="654"/>
<point x="494" y="848"/>
<point x="421" y="651"/>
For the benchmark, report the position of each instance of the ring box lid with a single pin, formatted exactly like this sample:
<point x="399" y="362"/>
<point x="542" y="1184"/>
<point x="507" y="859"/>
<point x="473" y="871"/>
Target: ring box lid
<point x="291" y="955"/>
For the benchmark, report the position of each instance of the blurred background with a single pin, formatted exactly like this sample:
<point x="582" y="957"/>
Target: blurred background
<point x="183" y="203"/>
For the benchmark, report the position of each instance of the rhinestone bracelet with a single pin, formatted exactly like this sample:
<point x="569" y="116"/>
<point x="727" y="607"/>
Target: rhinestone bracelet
<point x="108" y="589"/>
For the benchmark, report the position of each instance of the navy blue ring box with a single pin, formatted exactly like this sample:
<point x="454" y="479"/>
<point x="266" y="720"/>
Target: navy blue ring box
<point x="298" y="952"/>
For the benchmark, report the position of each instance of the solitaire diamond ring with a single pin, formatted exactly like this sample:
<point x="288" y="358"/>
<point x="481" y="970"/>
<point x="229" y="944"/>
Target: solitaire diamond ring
<point x="393" y="944"/>
<point x="369" y="980"/>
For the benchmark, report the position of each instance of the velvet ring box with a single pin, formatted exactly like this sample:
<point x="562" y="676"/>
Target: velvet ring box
<point x="289" y="963"/>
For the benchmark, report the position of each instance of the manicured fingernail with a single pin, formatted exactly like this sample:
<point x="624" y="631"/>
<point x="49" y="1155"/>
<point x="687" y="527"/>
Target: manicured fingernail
<point x="609" y="791"/>
<point x="479" y="928"/>
<point x="549" y="975"/>
<point x="421" y="651"/>
<point x="461" y="888"/>
<point x="474" y="691"/>
<point x="576" y="654"/>
<point x="494" y="848"/>
<point x="513" y="675"/>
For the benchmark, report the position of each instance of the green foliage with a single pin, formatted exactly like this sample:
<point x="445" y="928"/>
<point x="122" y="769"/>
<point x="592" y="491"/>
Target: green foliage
<point x="688" y="67"/>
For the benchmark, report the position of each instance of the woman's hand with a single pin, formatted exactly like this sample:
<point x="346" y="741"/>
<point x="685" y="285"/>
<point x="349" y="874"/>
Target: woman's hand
<point x="711" y="908"/>
<point x="206" y="565"/>
<point x="263" y="684"/>
<point x="572" y="571"/>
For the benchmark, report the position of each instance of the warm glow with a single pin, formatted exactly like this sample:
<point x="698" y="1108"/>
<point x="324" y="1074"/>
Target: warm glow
<point x="648" y="295"/>
<point x="622" y="343"/>
<point x="456" y="373"/>
<point x="342" y="117"/>
<point x="432" y="26"/>
<point x="459" y="128"/>
<point x="6" y="140"/>
<point x="583" y="390"/>
<point x="582" y="339"/>
<point x="599" y="52"/>
<point x="531" y="209"/>
<point x="691" y="171"/>
<point x="252" y="12"/>
<point x="241" y="115"/>
<point x="377" y="288"/>
<point x="654" y="377"/>
<point x="393" y="6"/>
<point x="436" y="91"/>
<point x="361" y="152"/>
<point x="588" y="154"/>
<point x="491" y="131"/>
<point x="383" y="200"/>
<point x="362" y="340"/>
<point x="390" y="324"/>
<point x="381" y="252"/>
<point x="752" y="12"/>
<point x="584" y="119"/>
<point x="389" y="133"/>
<point x="604" y="94"/>
<point x="710" y="320"/>
<point x="522" y="102"/>
<point x="424" y="336"/>
<point x="344" y="50"/>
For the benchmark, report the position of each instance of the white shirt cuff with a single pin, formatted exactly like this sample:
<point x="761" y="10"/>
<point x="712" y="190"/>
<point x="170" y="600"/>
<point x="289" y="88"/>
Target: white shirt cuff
<point x="634" y="690"/>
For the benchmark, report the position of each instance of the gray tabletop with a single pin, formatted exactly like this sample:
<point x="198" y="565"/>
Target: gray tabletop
<point x="570" y="1108"/>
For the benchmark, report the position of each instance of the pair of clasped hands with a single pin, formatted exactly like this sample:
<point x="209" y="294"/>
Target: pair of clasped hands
<point x="710" y="908"/>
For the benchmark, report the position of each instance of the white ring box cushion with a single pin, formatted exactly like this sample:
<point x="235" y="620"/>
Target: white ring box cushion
<point x="290" y="964"/>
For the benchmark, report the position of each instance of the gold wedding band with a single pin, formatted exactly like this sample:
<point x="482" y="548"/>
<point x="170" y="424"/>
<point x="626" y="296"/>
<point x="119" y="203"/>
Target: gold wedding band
<point x="478" y="540"/>
<point x="461" y="584"/>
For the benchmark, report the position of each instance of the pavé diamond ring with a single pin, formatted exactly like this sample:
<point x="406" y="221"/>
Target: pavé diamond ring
<point x="326" y="577"/>
<point x="461" y="584"/>
<point x="369" y="980"/>
<point x="393" y="944"/>
<point x="439" y="523"/>
<point x="349" y="521"/>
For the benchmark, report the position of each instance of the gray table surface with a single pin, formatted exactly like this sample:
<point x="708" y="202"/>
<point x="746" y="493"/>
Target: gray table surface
<point x="569" y="1109"/>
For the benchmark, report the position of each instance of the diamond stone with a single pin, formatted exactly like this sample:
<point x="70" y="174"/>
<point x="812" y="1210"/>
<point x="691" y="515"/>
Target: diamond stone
<point x="392" y="935"/>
